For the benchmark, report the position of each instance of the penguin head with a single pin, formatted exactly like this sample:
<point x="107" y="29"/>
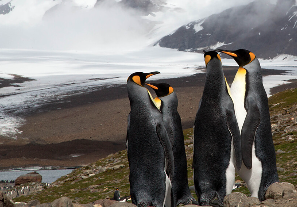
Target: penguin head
<point x="241" y="56"/>
<point x="161" y="89"/>
<point x="139" y="78"/>
<point x="210" y="55"/>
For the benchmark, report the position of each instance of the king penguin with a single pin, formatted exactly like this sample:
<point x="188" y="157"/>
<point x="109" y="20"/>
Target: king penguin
<point x="251" y="108"/>
<point x="149" y="149"/>
<point x="172" y="121"/>
<point x="216" y="137"/>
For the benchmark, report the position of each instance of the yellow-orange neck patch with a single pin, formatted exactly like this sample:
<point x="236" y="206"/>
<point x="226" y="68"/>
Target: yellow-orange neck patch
<point x="241" y="71"/>
<point x="158" y="103"/>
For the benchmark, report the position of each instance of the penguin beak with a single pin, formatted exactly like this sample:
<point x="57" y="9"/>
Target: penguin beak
<point x="232" y="54"/>
<point x="151" y="74"/>
<point x="140" y="78"/>
<point x="152" y="86"/>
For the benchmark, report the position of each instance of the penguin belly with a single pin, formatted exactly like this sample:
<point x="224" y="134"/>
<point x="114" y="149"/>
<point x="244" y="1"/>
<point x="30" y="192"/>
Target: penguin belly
<point x="167" y="199"/>
<point x="230" y="171"/>
<point x="252" y="176"/>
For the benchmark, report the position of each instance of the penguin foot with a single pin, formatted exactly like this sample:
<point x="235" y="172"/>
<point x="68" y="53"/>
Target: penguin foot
<point x="187" y="200"/>
<point x="144" y="204"/>
<point x="211" y="199"/>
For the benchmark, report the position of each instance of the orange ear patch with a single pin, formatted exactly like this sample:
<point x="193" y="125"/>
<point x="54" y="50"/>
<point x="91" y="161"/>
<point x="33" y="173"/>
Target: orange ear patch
<point x="207" y="58"/>
<point x="136" y="79"/>
<point x="170" y="90"/>
<point x="253" y="56"/>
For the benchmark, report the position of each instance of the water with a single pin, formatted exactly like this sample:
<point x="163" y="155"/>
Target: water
<point x="48" y="176"/>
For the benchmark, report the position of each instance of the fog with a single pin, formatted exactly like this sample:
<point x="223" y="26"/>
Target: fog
<point x="108" y="26"/>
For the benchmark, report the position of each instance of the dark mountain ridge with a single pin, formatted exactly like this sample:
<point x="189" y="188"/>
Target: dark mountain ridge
<point x="264" y="28"/>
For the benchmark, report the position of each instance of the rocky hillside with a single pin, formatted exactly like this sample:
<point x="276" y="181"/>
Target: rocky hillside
<point x="100" y="179"/>
<point x="264" y="28"/>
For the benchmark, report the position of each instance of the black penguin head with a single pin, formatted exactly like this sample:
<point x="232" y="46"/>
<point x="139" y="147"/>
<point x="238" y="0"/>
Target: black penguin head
<point x="161" y="89"/>
<point x="241" y="56"/>
<point x="210" y="55"/>
<point x="139" y="77"/>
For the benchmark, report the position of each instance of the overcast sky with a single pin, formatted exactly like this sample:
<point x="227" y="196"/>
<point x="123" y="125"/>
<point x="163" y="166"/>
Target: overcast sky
<point x="58" y="25"/>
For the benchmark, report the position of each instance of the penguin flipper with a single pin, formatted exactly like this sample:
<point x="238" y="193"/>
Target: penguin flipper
<point x="165" y="142"/>
<point x="248" y="131"/>
<point x="235" y="133"/>
<point x="128" y="127"/>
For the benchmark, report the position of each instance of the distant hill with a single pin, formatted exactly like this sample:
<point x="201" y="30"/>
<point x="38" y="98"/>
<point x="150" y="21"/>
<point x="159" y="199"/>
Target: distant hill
<point x="5" y="8"/>
<point x="264" y="28"/>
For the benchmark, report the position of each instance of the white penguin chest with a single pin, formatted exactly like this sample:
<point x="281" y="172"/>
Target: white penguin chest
<point x="238" y="89"/>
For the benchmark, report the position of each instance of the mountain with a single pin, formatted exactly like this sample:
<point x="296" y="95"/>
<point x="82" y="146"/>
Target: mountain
<point x="6" y="8"/>
<point x="266" y="29"/>
<point x="144" y="6"/>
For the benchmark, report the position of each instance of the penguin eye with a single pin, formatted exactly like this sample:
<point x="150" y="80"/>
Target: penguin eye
<point x="207" y="58"/>
<point x="136" y="79"/>
<point x="252" y="56"/>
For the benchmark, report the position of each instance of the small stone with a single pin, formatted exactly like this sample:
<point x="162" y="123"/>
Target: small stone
<point x="278" y="190"/>
<point x="279" y="151"/>
<point x="280" y="169"/>
<point x="122" y="204"/>
<point x="34" y="203"/>
<point x="104" y="202"/>
<point x="268" y="202"/>
<point x="253" y="201"/>
<point x="62" y="202"/>
<point x="236" y="199"/>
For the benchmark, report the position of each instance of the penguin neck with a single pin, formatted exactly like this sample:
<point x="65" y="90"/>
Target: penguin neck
<point x="215" y="83"/>
<point x="169" y="103"/>
<point x="254" y="75"/>
<point x="139" y="96"/>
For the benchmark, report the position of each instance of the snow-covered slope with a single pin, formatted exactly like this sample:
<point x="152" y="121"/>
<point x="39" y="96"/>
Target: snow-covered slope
<point x="265" y="28"/>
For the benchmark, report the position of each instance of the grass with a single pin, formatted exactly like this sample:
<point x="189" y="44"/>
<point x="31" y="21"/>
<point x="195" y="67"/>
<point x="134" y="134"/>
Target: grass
<point x="83" y="186"/>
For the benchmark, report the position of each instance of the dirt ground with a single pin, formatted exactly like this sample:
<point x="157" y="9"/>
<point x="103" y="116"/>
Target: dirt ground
<point x="87" y="127"/>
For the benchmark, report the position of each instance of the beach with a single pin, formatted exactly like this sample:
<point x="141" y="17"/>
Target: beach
<point x="84" y="128"/>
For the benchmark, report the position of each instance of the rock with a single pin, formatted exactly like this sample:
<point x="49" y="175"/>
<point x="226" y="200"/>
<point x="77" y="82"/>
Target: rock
<point x="4" y="201"/>
<point x="104" y="202"/>
<point x="240" y="200"/>
<point x="279" y="190"/>
<point x="279" y="151"/>
<point x="28" y="178"/>
<point x="122" y="204"/>
<point x="279" y="169"/>
<point x="44" y="205"/>
<point x="253" y="201"/>
<point x="21" y="204"/>
<point x="236" y="199"/>
<point x="34" y="203"/>
<point x="62" y="202"/>
<point x="269" y="202"/>
<point x="83" y="205"/>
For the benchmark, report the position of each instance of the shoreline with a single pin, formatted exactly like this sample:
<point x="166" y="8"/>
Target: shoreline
<point x="93" y="125"/>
